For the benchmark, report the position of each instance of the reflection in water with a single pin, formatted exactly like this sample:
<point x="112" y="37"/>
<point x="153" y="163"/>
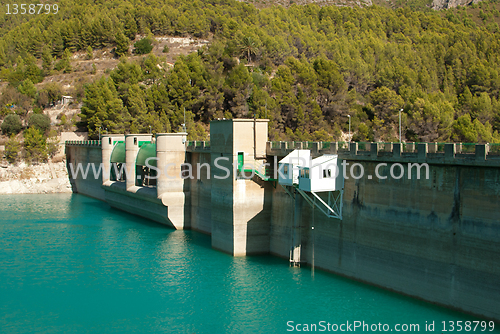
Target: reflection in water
<point x="69" y="263"/>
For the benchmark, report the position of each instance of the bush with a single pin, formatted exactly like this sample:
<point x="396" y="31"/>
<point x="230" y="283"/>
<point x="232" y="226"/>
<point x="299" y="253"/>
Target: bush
<point x="11" y="125"/>
<point x="40" y="122"/>
<point x="166" y="49"/>
<point x="35" y="145"/>
<point x="11" y="150"/>
<point x="143" y="46"/>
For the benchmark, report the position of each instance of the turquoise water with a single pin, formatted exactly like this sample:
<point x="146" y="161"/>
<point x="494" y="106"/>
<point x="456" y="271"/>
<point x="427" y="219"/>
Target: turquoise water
<point x="71" y="264"/>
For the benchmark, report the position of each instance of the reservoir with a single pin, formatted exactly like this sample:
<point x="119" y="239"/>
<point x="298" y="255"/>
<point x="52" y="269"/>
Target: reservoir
<point x="71" y="264"/>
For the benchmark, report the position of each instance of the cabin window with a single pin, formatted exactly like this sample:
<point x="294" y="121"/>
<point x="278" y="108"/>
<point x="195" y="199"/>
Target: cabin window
<point x="304" y="173"/>
<point x="327" y="173"/>
<point x="285" y="170"/>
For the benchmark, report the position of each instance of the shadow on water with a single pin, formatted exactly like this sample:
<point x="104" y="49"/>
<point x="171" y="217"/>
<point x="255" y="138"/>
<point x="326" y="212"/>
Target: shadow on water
<point x="319" y="276"/>
<point x="194" y="239"/>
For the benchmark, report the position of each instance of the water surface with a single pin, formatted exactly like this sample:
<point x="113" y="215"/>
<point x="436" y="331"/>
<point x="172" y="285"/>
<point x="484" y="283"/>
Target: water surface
<point x="71" y="264"/>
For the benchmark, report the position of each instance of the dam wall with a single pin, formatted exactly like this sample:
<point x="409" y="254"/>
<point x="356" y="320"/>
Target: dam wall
<point x="435" y="236"/>
<point x="85" y="180"/>
<point x="435" y="239"/>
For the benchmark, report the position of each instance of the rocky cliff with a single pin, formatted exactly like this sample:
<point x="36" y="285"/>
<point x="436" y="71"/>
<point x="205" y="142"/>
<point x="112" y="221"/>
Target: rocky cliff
<point x="39" y="179"/>
<point x="443" y="4"/>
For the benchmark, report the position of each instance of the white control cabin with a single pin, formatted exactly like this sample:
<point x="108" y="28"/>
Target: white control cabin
<point x="288" y="172"/>
<point x="323" y="174"/>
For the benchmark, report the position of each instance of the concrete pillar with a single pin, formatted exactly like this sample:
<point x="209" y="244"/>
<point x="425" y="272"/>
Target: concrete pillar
<point x="373" y="150"/>
<point x="315" y="148"/>
<point x="396" y="149"/>
<point x="353" y="149"/>
<point x="422" y="151"/>
<point x="334" y="147"/>
<point x="132" y="142"/>
<point x="296" y="246"/>
<point x="241" y="208"/>
<point x="449" y="152"/>
<point x="481" y="152"/>
<point x="170" y="186"/>
<point x="107" y="145"/>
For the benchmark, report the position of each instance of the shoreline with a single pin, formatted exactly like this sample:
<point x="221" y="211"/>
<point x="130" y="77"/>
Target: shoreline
<point x="45" y="178"/>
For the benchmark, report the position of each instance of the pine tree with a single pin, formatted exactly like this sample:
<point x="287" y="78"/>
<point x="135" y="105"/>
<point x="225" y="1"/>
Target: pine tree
<point x="12" y="148"/>
<point x="122" y="45"/>
<point x="90" y="53"/>
<point x="47" y="61"/>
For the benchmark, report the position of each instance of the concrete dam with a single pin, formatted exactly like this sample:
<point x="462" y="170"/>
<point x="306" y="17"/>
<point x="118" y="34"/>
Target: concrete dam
<point x="420" y="219"/>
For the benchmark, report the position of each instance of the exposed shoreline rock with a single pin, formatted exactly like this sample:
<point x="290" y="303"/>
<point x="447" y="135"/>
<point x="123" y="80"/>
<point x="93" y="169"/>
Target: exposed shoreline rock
<point x="44" y="178"/>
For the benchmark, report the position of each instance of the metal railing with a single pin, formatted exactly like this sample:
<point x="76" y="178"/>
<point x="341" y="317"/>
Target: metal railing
<point x="83" y="142"/>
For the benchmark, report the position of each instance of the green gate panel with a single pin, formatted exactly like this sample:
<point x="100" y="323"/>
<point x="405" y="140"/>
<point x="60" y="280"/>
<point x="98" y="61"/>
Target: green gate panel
<point x="118" y="154"/>
<point x="147" y="150"/>
<point x="241" y="160"/>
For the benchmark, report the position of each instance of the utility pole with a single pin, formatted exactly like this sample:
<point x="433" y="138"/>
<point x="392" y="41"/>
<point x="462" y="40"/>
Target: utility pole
<point x="349" y="127"/>
<point x="400" y="110"/>
<point x="184" y="124"/>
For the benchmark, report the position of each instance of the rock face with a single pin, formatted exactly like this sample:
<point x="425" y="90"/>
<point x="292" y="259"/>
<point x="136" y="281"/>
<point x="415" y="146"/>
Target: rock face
<point x="40" y="179"/>
<point x="443" y="4"/>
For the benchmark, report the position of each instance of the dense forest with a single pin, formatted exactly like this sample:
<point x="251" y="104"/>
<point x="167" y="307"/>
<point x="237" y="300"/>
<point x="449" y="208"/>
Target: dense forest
<point x="306" y="68"/>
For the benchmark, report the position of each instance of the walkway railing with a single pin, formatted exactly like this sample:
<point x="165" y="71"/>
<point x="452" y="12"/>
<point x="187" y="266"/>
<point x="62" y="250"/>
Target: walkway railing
<point x="365" y="150"/>
<point x="192" y="146"/>
<point x="459" y="153"/>
<point x="83" y="142"/>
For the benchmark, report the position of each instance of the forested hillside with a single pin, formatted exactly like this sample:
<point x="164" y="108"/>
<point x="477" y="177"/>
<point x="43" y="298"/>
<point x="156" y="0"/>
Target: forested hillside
<point x="306" y="68"/>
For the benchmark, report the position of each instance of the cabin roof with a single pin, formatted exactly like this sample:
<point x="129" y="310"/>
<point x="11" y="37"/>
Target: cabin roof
<point x="297" y="157"/>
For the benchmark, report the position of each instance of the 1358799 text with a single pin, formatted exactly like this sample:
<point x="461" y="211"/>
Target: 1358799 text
<point x="31" y="9"/>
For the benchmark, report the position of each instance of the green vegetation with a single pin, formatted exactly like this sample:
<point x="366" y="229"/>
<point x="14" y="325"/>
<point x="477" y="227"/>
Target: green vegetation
<point x="12" y="148"/>
<point x="11" y="125"/>
<point x="35" y="145"/>
<point x="40" y="122"/>
<point x="305" y="68"/>
<point x="144" y="46"/>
